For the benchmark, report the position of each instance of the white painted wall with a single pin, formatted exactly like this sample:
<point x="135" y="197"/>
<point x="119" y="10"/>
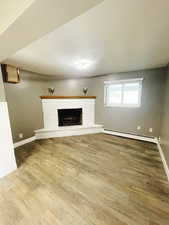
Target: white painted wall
<point x="7" y="157"/>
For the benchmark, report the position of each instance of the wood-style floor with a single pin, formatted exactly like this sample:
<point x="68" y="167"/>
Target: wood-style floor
<point x="93" y="179"/>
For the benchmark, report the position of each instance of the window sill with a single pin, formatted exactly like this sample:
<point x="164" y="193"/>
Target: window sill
<point x="122" y="106"/>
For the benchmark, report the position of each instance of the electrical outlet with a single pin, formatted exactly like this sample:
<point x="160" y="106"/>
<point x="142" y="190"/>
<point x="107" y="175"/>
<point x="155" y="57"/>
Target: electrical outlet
<point x="150" y="130"/>
<point x="21" y="135"/>
<point x="138" y="127"/>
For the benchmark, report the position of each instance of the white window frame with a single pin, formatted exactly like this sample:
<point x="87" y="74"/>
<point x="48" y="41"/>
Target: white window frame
<point x="122" y="82"/>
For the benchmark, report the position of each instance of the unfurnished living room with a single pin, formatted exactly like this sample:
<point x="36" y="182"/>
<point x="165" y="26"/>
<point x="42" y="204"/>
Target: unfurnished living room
<point x="84" y="110"/>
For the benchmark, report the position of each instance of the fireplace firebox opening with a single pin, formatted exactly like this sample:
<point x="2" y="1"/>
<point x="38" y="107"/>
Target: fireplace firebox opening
<point x="70" y="117"/>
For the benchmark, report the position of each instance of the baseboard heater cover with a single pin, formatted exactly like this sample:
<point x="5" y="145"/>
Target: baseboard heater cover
<point x="132" y="136"/>
<point x="143" y="138"/>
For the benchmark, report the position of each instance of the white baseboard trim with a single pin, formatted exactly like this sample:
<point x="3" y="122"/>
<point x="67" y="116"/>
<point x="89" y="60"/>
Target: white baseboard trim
<point x="166" y="168"/>
<point x="136" y="137"/>
<point x="25" y="141"/>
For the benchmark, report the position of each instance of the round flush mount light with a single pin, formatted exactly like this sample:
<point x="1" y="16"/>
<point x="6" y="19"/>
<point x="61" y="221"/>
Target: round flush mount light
<point x="83" y="64"/>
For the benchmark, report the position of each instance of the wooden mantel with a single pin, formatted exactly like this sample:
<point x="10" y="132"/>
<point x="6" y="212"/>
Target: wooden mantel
<point x="61" y="97"/>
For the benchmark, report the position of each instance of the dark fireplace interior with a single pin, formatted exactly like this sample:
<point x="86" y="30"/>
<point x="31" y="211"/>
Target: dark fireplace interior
<point x="70" y="117"/>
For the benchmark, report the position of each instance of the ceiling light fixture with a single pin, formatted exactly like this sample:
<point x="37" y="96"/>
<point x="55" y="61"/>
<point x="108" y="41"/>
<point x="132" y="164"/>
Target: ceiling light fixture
<point x="83" y="64"/>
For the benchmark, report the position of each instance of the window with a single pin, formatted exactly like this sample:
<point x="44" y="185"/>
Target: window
<point x="123" y="93"/>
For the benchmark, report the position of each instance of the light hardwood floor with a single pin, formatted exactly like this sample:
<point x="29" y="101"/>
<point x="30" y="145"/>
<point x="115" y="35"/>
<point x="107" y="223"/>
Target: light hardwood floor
<point x="93" y="179"/>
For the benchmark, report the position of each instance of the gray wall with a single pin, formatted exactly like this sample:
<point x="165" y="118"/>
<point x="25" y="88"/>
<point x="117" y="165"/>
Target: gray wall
<point x="2" y="91"/>
<point x="25" y="105"/>
<point x="164" y="133"/>
<point x="127" y="119"/>
<point x="70" y="86"/>
<point x="25" y="108"/>
<point x="26" y="111"/>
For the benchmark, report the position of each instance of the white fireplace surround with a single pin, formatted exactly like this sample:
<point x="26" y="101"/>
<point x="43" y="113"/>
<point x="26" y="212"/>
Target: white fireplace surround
<point x="50" y="115"/>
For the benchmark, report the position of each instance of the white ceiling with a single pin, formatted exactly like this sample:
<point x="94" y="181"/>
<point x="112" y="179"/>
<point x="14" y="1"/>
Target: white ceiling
<point x="114" y="36"/>
<point x="10" y="10"/>
<point x="24" y="21"/>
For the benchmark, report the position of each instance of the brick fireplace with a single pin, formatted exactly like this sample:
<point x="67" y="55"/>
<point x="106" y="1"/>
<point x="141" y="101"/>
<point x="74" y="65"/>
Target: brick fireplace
<point x="68" y="115"/>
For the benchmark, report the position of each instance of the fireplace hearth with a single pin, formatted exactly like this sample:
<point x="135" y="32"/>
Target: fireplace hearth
<point x="69" y="117"/>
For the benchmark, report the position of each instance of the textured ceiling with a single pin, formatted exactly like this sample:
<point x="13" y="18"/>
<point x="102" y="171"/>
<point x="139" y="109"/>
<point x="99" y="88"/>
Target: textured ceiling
<point x="114" y="36"/>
